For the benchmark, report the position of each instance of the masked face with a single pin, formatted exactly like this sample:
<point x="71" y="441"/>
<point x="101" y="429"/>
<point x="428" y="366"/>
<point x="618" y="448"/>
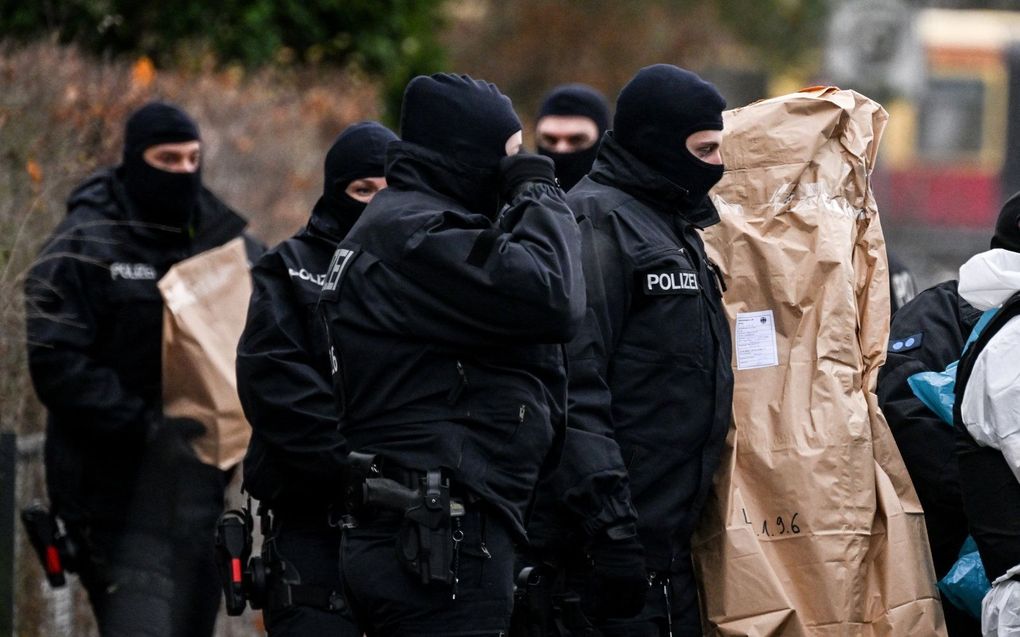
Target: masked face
<point x="364" y="189"/>
<point x="164" y="182"/>
<point x="571" y="141"/>
<point x="704" y="163"/>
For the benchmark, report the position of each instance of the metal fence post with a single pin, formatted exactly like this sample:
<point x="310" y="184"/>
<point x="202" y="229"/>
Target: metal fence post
<point x="8" y="497"/>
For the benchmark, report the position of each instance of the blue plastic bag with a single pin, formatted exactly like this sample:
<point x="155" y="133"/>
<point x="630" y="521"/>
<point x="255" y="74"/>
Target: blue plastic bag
<point x="936" y="389"/>
<point x="965" y="585"/>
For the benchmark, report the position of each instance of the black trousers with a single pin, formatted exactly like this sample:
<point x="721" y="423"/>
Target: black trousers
<point x="151" y="572"/>
<point x="388" y="601"/>
<point x="309" y="546"/>
<point x="671" y="608"/>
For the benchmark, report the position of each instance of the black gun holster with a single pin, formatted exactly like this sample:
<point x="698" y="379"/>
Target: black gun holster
<point x="430" y="535"/>
<point x="544" y="606"/>
<point x="56" y="551"/>
<point x="267" y="580"/>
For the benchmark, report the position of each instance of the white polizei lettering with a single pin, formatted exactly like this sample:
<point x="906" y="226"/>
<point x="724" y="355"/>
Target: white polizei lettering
<point x="132" y="271"/>
<point x="305" y="275"/>
<point x="667" y="282"/>
<point x="336" y="268"/>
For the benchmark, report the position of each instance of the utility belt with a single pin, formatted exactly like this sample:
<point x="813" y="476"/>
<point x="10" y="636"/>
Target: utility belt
<point x="426" y="505"/>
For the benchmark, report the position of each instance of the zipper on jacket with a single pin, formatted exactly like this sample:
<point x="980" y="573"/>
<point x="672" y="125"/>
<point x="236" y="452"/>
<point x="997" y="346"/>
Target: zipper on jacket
<point x="717" y="273"/>
<point x="458" y="389"/>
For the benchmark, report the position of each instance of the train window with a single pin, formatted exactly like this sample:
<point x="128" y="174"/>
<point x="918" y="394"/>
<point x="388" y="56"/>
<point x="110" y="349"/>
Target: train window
<point x="950" y="120"/>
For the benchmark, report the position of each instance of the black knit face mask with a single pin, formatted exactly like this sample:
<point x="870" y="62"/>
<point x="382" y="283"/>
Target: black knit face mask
<point x="571" y="167"/>
<point x="697" y="176"/>
<point x="342" y="207"/>
<point x="160" y="196"/>
<point x="1007" y="227"/>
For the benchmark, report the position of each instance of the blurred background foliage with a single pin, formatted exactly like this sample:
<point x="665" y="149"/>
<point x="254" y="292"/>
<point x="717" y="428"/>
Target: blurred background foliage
<point x="523" y="44"/>
<point x="389" y="39"/>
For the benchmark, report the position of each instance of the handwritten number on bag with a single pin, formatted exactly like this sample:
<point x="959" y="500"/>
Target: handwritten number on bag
<point x="780" y="527"/>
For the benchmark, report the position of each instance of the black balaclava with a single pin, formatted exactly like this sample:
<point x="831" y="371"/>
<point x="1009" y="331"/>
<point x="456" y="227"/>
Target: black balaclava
<point x="358" y="152"/>
<point x="575" y="100"/>
<point x="1007" y="228"/>
<point x="656" y="112"/>
<point x="159" y="196"/>
<point x="465" y="120"/>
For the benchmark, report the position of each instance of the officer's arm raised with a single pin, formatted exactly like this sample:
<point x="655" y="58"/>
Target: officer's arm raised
<point x="520" y="277"/>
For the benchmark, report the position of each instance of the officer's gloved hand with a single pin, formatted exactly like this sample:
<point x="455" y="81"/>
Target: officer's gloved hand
<point x="187" y="428"/>
<point x="171" y="437"/>
<point x="619" y="579"/>
<point x="516" y="171"/>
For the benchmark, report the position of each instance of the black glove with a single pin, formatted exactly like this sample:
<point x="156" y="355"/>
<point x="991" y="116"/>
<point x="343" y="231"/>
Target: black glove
<point x="170" y="437"/>
<point x="619" y="582"/>
<point x="518" y="170"/>
<point x="187" y="428"/>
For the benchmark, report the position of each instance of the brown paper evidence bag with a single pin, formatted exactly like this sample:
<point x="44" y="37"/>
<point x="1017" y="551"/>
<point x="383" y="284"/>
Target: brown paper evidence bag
<point x="813" y="527"/>
<point x="205" y="302"/>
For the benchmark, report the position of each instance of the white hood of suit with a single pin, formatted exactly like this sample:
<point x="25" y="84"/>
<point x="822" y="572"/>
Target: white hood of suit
<point x="989" y="278"/>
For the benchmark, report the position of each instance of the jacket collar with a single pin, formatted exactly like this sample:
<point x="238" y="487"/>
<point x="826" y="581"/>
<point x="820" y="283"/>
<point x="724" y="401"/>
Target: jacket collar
<point x="617" y="167"/>
<point x="214" y="221"/>
<point x="326" y="223"/>
<point x="412" y="167"/>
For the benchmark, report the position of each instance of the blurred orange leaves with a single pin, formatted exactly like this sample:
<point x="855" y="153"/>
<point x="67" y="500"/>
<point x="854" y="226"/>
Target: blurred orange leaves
<point x="143" y="72"/>
<point x="34" y="170"/>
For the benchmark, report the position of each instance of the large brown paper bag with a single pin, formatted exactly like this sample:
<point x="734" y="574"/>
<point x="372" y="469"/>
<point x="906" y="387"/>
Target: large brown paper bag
<point x="813" y="527"/>
<point x="205" y="302"/>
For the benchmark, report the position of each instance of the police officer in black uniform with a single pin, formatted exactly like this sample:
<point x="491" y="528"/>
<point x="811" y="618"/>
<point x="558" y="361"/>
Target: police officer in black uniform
<point x="570" y="123"/>
<point x="927" y="334"/>
<point x="135" y="499"/>
<point x="446" y="329"/>
<point x="583" y="561"/>
<point x="283" y="379"/>
<point x="652" y="368"/>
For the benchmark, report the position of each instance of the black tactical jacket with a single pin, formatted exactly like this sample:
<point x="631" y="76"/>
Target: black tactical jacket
<point x="283" y="375"/>
<point x="652" y="366"/>
<point x="446" y="328"/>
<point x="94" y="330"/>
<point x="927" y="334"/>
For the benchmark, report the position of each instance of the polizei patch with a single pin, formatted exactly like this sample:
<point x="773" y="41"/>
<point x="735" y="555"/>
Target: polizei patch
<point x="342" y="259"/>
<point x="132" y="271"/>
<point x="679" y="281"/>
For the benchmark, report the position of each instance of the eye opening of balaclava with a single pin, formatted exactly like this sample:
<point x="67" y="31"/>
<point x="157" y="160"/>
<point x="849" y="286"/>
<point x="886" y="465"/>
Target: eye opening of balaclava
<point x="1007" y="226"/>
<point x="465" y="120"/>
<point x="575" y="100"/>
<point x="357" y="153"/>
<point x="655" y="114"/>
<point x="159" y="196"/>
